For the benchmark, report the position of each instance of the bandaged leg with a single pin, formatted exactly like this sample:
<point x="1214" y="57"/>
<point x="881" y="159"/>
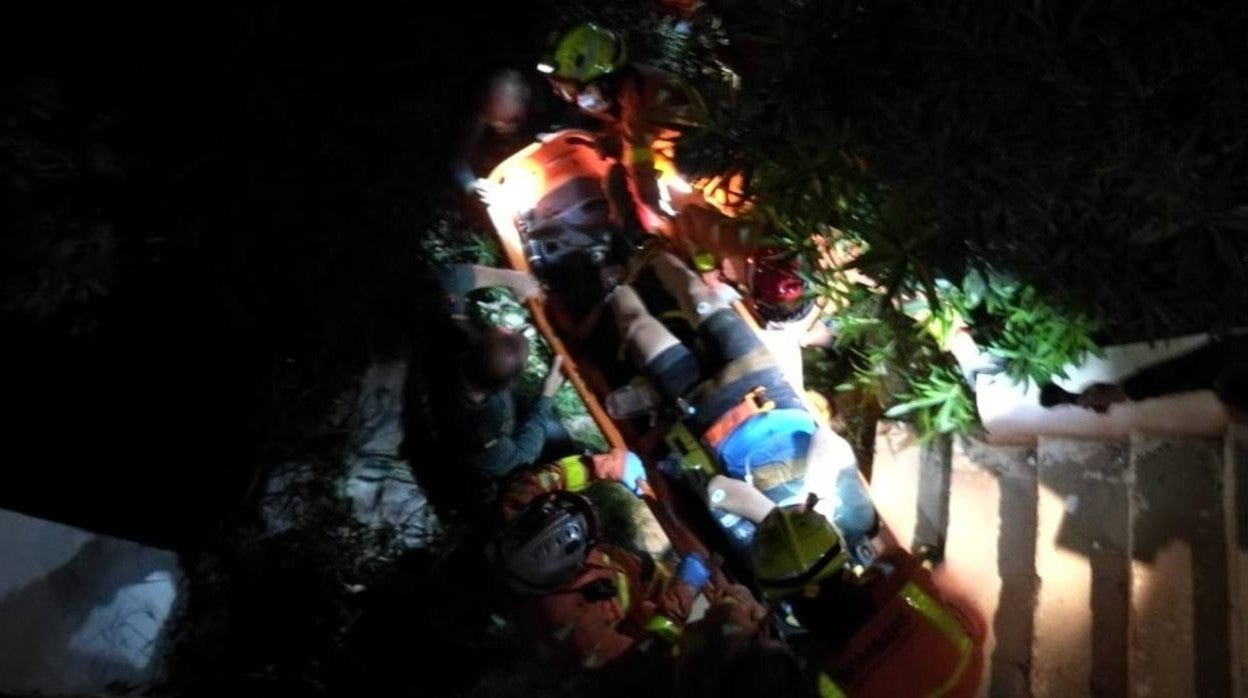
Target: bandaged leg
<point x="644" y="334"/>
<point x="697" y="300"/>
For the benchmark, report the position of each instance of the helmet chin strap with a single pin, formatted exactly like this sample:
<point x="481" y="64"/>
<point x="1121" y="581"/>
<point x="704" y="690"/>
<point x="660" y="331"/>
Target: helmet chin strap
<point x="600" y="589"/>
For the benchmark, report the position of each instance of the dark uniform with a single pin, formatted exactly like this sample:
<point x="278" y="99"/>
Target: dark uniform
<point x="495" y="434"/>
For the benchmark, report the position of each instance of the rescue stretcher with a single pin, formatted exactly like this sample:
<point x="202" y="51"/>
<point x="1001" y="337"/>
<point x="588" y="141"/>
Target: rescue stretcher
<point x="915" y="642"/>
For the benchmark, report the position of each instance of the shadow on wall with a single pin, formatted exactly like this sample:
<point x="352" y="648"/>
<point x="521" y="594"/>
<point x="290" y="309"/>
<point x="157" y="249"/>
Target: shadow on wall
<point x="91" y="620"/>
<point x="1153" y="534"/>
<point x="1180" y="561"/>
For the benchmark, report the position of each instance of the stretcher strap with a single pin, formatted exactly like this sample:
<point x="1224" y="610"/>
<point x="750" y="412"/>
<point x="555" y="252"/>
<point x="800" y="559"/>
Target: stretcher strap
<point x="756" y="360"/>
<point x="753" y="403"/>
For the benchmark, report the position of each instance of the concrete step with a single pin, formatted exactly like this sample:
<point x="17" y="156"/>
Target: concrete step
<point x="979" y="501"/>
<point x="1235" y="501"/>
<point x="895" y="479"/>
<point x="910" y="484"/>
<point x="1179" y="643"/>
<point x="1081" y="544"/>
<point x="1103" y="567"/>
<point x="990" y="554"/>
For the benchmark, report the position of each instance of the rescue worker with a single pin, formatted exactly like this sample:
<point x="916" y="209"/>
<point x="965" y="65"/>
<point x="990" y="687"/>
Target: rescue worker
<point x="511" y="110"/>
<point x="589" y="603"/>
<point x="483" y="418"/>
<point x="736" y="401"/>
<point x="735" y="250"/>
<point x="790" y="319"/>
<point x="865" y="627"/>
<point x="798" y="561"/>
<point x="731" y="653"/>
<point x="643" y="110"/>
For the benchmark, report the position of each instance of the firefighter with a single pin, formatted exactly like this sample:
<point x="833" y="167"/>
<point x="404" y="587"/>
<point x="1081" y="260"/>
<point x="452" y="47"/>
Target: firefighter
<point x="642" y="109"/>
<point x="882" y="630"/>
<point x="586" y="602"/>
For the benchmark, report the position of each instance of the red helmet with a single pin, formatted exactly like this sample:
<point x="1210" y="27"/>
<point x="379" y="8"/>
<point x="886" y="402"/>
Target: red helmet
<point x="780" y="293"/>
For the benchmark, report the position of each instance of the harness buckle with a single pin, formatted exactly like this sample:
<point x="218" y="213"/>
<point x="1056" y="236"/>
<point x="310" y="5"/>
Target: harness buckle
<point x="759" y="397"/>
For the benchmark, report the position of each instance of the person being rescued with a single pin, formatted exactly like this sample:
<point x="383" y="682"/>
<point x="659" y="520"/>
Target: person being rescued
<point x="736" y="401"/>
<point x="483" y="416"/>
<point x="643" y="111"/>
<point x="589" y="603"/>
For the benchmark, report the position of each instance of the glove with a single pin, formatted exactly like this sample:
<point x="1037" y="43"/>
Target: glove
<point x="1101" y="396"/>
<point x="693" y="571"/>
<point x="627" y="470"/>
<point x="634" y="473"/>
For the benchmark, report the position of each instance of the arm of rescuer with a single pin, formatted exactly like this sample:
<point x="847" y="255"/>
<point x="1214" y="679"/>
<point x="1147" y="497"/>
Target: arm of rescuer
<point x="1197" y="369"/>
<point x="456" y="281"/>
<point x="573" y="474"/>
<point x="733" y="612"/>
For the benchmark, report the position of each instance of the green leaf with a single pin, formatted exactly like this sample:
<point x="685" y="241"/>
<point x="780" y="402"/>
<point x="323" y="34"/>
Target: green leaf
<point x="908" y="407"/>
<point x="974" y="288"/>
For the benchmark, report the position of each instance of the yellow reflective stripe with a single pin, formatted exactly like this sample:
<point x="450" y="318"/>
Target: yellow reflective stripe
<point x="664" y="627"/>
<point x="621" y="585"/>
<point x="704" y="261"/>
<point x="623" y="593"/>
<point x="575" y="474"/>
<point x="640" y="153"/>
<point x="930" y="608"/>
<point x="956" y="676"/>
<point x="828" y="687"/>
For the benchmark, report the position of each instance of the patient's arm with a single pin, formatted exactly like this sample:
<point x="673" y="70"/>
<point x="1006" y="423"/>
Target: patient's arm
<point x="832" y="476"/>
<point x="740" y="498"/>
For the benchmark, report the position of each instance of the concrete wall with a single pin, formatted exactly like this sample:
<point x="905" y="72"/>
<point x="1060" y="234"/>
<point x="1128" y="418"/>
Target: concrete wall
<point x="1012" y="412"/>
<point x="79" y="612"/>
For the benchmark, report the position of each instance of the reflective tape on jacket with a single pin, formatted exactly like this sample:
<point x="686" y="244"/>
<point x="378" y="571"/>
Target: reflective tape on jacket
<point x="935" y="612"/>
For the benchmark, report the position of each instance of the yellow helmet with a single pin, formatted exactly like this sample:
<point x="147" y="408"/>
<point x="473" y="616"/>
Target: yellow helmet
<point x="587" y="52"/>
<point x="794" y="549"/>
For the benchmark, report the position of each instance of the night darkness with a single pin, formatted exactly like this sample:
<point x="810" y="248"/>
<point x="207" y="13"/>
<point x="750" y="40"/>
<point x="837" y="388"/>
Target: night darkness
<point x="214" y="221"/>
<point x="261" y="173"/>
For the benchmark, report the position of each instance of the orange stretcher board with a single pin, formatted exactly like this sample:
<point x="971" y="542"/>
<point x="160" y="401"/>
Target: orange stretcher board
<point x="913" y="621"/>
<point x="522" y="183"/>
